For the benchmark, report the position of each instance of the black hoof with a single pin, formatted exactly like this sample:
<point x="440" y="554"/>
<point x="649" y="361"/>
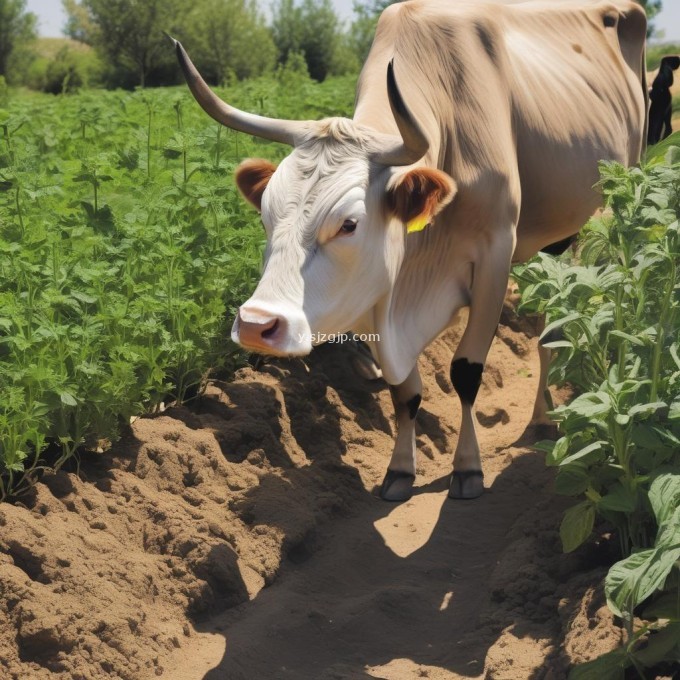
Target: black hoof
<point x="467" y="484"/>
<point x="397" y="486"/>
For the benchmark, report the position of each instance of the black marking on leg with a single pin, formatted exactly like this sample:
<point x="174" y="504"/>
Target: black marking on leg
<point x="413" y="405"/>
<point x="466" y="378"/>
<point x="461" y="486"/>
<point x="559" y="247"/>
<point x="397" y="486"/>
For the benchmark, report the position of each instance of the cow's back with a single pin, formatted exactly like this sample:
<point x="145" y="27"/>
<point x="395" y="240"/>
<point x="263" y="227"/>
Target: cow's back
<point x="579" y="96"/>
<point x="531" y="92"/>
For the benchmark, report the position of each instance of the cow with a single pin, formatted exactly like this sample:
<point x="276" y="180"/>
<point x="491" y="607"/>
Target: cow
<point x="475" y="142"/>
<point x="661" y="109"/>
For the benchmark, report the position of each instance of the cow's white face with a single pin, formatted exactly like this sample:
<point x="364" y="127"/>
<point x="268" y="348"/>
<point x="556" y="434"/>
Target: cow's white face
<point x="335" y="226"/>
<point x="336" y="211"/>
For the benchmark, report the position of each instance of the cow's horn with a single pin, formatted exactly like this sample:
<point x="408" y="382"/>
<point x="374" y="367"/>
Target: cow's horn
<point x="284" y="131"/>
<point x="413" y="144"/>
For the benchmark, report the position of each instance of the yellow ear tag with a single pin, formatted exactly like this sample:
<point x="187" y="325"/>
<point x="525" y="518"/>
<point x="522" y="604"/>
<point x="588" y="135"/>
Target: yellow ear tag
<point x="417" y="223"/>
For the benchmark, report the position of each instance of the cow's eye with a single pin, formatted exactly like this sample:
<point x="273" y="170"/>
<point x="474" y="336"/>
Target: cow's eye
<point x="348" y="227"/>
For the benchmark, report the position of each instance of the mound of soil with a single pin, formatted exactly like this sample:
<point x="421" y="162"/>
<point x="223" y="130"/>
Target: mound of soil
<point x="242" y="538"/>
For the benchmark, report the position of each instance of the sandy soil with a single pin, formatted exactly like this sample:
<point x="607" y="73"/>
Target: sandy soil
<point x="242" y="538"/>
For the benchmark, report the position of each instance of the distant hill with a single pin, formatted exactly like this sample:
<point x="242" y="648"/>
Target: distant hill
<point x="48" y="48"/>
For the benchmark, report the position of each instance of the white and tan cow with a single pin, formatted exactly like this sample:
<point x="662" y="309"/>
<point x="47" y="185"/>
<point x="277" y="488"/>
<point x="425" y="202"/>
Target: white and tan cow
<point x="475" y="142"/>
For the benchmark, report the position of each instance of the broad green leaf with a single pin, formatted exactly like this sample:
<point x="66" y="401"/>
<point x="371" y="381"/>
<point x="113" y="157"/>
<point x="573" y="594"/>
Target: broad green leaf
<point x="587" y="454"/>
<point x="622" y="580"/>
<point x="577" y="525"/>
<point x="558" y="344"/>
<point x="669" y="531"/>
<point x="664" y="496"/>
<point x="622" y="419"/>
<point x="619" y="499"/>
<point x="68" y="399"/>
<point x="667" y="606"/>
<point x="571" y="480"/>
<point x="626" y="336"/>
<point x="646" y="409"/>
<point x="558" y="450"/>
<point x="674" y="410"/>
<point x="663" y="645"/>
<point x="631" y="581"/>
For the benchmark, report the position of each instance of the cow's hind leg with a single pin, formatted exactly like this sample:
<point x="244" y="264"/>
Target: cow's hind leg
<point x="401" y="473"/>
<point x="486" y="302"/>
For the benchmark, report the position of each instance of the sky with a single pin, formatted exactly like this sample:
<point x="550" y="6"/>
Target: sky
<point x="51" y="16"/>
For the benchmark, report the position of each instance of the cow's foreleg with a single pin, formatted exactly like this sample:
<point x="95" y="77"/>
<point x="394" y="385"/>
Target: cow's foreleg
<point x="401" y="473"/>
<point x="486" y="302"/>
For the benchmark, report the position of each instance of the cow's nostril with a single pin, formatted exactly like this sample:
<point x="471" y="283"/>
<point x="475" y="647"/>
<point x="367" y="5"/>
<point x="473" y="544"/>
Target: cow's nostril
<point x="268" y="332"/>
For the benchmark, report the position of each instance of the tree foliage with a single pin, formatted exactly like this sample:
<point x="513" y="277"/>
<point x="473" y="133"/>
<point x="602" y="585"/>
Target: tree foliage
<point x="128" y="33"/>
<point x="313" y="29"/>
<point x="229" y="38"/>
<point x="17" y="28"/>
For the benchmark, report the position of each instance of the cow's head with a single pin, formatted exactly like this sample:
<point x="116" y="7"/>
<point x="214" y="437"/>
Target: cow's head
<point x="336" y="212"/>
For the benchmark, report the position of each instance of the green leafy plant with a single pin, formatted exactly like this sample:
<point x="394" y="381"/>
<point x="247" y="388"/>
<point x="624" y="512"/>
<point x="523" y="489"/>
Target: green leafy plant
<point x="613" y="321"/>
<point x="124" y="253"/>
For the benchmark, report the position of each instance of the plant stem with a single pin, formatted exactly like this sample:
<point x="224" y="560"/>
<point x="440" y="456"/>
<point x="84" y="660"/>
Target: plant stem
<point x="661" y="333"/>
<point x="217" y="152"/>
<point x="148" y="144"/>
<point x="19" y="213"/>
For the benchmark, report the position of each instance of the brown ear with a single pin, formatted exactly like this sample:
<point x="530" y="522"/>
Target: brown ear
<point x="418" y="195"/>
<point x="252" y="177"/>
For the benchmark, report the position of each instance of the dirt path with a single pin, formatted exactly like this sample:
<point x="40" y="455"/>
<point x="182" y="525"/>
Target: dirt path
<point x="242" y="539"/>
<point x="395" y="592"/>
<point x="416" y="589"/>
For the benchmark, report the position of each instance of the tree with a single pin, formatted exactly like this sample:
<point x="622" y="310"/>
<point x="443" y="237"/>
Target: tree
<point x="312" y="28"/>
<point x="128" y="33"/>
<point x="79" y="24"/>
<point x="17" y="28"/>
<point x="229" y="37"/>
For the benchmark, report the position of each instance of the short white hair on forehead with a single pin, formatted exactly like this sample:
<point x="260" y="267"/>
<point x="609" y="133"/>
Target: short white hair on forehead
<point x="334" y="141"/>
<point x="314" y="177"/>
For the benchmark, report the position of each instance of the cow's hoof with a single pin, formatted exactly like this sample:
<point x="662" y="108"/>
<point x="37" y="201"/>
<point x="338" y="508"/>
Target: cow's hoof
<point x="467" y="484"/>
<point x="397" y="486"/>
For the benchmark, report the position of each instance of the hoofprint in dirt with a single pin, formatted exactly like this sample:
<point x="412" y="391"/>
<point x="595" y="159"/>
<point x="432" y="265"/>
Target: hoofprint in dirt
<point x="153" y="561"/>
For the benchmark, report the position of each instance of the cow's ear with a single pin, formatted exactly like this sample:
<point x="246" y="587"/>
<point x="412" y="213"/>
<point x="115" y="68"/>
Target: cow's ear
<point x="416" y="196"/>
<point x="252" y="177"/>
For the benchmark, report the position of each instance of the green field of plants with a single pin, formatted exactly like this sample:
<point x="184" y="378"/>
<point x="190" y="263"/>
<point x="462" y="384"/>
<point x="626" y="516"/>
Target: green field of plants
<point x="613" y="321"/>
<point x="124" y="251"/>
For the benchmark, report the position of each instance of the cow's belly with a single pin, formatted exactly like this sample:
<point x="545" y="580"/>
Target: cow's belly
<point x="557" y="196"/>
<point x="575" y="103"/>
